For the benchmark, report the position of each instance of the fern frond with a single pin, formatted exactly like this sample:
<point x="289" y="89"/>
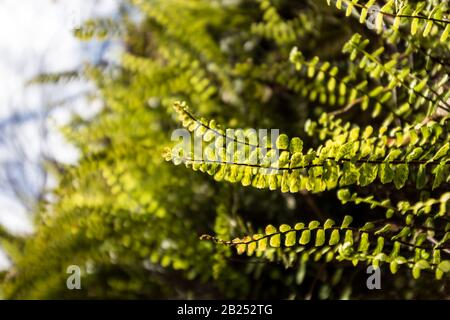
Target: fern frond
<point x="276" y="28"/>
<point x="392" y="246"/>
<point x="421" y="18"/>
<point x="56" y="78"/>
<point x="329" y="87"/>
<point x="99" y="29"/>
<point x="337" y="162"/>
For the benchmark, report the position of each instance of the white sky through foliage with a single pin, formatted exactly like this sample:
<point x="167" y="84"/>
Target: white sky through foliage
<point x="35" y="37"/>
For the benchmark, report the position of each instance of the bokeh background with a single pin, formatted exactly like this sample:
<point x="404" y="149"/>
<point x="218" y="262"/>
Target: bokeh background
<point x="36" y="36"/>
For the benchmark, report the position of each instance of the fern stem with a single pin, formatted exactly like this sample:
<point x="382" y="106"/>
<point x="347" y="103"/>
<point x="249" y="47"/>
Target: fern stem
<point x="360" y="161"/>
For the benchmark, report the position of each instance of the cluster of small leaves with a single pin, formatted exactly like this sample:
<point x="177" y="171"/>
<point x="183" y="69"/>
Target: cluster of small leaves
<point x="420" y="92"/>
<point x="281" y="31"/>
<point x="328" y="88"/>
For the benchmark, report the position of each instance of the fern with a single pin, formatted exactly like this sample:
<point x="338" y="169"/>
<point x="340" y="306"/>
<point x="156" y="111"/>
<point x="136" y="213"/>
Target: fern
<point x="360" y="123"/>
<point x="98" y="29"/>
<point x="283" y="32"/>
<point x="356" y="158"/>
<point x="348" y="243"/>
<point x="420" y="17"/>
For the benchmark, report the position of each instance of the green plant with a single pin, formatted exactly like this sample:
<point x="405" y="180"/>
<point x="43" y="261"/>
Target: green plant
<point x="368" y="112"/>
